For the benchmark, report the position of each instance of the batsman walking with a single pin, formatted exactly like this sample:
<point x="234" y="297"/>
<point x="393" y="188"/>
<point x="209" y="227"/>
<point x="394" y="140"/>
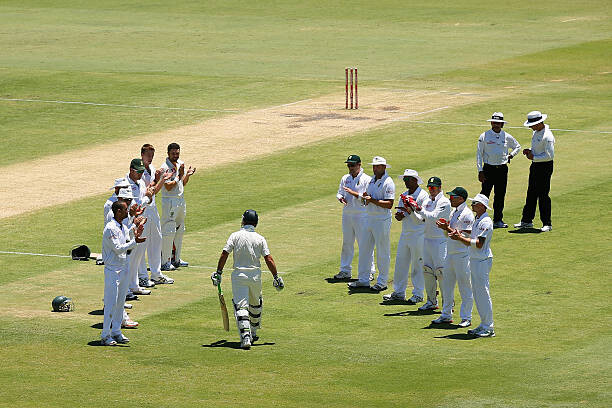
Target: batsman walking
<point x="248" y="247"/>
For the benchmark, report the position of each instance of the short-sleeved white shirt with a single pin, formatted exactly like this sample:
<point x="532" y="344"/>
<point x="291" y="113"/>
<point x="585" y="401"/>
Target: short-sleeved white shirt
<point x="148" y="176"/>
<point x="381" y="189"/>
<point x="440" y="207"/>
<point x="248" y="247"/>
<point x="413" y="223"/>
<point x="461" y="218"/>
<point x="358" y="184"/>
<point x="177" y="190"/>
<point x="139" y="191"/>
<point x="483" y="227"/>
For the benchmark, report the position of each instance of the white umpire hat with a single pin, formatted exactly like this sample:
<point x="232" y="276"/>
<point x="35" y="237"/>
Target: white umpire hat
<point x="411" y="173"/>
<point x="377" y="160"/>
<point x="482" y="199"/>
<point x="120" y="182"/>
<point x="535" y="117"/>
<point x="497" y="117"/>
<point x="126" y="192"/>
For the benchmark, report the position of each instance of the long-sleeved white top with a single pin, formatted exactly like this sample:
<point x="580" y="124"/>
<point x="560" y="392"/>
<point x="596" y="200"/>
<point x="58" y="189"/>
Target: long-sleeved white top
<point x="439" y="207"/>
<point x="543" y="145"/>
<point x="493" y="148"/>
<point x="358" y="184"/>
<point x="483" y="227"/>
<point x="177" y="190"/>
<point x="413" y="223"/>
<point x="461" y="218"/>
<point x="116" y="241"/>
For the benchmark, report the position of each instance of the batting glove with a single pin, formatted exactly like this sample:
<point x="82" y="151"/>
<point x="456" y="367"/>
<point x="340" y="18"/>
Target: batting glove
<point x="278" y="283"/>
<point x="216" y="278"/>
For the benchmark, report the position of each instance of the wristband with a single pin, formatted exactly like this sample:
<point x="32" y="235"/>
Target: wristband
<point x="473" y="241"/>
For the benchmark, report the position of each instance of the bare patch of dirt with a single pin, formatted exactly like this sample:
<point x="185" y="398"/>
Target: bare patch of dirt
<point x="268" y="130"/>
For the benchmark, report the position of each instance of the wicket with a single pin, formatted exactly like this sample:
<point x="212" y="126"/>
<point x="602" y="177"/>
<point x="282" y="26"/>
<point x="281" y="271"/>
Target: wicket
<point x="350" y="75"/>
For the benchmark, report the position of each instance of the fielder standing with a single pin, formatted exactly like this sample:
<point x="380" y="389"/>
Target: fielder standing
<point x="434" y="247"/>
<point x="481" y="261"/>
<point x="354" y="216"/>
<point x="379" y="197"/>
<point x="457" y="269"/>
<point x="410" y="246"/>
<point x="173" y="208"/>
<point x="492" y="159"/>
<point x="541" y="154"/>
<point x="116" y="241"/>
<point x="248" y="247"/>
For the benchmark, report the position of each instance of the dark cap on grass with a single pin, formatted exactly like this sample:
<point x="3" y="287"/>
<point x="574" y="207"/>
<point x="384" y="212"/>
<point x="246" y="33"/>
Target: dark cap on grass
<point x="459" y="191"/>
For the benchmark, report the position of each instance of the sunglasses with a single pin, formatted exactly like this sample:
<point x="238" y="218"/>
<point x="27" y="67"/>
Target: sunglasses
<point x="351" y="164"/>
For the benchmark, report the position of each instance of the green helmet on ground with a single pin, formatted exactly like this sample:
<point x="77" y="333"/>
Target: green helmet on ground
<point x="62" y="304"/>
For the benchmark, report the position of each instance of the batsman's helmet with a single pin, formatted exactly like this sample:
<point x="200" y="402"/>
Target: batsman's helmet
<point x="250" y="218"/>
<point x="62" y="304"/>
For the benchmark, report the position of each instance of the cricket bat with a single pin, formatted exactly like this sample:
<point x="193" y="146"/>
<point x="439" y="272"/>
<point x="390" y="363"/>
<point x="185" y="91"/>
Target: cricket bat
<point x="224" y="315"/>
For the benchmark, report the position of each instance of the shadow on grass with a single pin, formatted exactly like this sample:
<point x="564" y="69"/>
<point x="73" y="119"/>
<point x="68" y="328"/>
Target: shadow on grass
<point x="362" y="289"/>
<point x="413" y="313"/>
<point x="525" y="231"/>
<point x="334" y="280"/>
<point x="233" y="344"/>
<point x="396" y="302"/>
<point x="99" y="312"/>
<point x="96" y="326"/>
<point x="457" y="336"/>
<point x="98" y="343"/>
<point x="442" y="326"/>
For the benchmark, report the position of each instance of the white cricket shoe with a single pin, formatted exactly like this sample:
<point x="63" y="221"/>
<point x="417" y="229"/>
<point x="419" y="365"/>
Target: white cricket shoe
<point x="415" y="299"/>
<point x="129" y="324"/>
<point x="141" y="291"/>
<point x="442" y="320"/>
<point x="524" y="225"/>
<point x="245" y="343"/>
<point x="127" y="306"/>
<point x="108" y="341"/>
<point x="394" y="296"/>
<point x="167" y="267"/>
<point x="342" y="275"/>
<point x="465" y="323"/>
<point x="372" y="276"/>
<point x="121" y="339"/>
<point x="163" y="280"/>
<point x="546" y="228"/>
<point x="357" y="284"/>
<point x="429" y="305"/>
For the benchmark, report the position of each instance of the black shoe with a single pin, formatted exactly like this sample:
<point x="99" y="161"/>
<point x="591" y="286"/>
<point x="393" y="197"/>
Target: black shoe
<point x="130" y="296"/>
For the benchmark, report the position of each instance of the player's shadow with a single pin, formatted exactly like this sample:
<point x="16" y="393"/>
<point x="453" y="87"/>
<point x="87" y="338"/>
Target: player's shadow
<point x="457" y="336"/>
<point x="413" y="313"/>
<point x="99" y="312"/>
<point x="395" y="302"/>
<point x="96" y="343"/>
<point x="525" y="231"/>
<point x="97" y="326"/>
<point x="343" y="280"/>
<point x="362" y="289"/>
<point x="233" y="344"/>
<point x="442" y="326"/>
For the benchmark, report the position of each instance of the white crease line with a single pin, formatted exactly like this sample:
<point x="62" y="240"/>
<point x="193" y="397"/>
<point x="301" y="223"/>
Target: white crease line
<point x="508" y="127"/>
<point x="421" y="113"/>
<point x="34" y="254"/>
<point x="571" y="19"/>
<point x="289" y="104"/>
<point x="118" y="105"/>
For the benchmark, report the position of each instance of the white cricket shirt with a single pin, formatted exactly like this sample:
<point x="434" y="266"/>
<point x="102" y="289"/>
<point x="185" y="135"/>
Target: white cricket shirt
<point x="177" y="190"/>
<point x="359" y="184"/>
<point x="413" y="223"/>
<point x="440" y="207"/>
<point x="461" y="218"/>
<point x="483" y="227"/>
<point x="493" y="148"/>
<point x="116" y="242"/>
<point x="248" y="247"/>
<point x="381" y="189"/>
<point x="543" y="145"/>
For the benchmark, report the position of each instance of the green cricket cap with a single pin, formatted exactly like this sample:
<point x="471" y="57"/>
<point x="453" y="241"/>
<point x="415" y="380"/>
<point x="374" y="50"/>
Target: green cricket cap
<point x="459" y="191"/>
<point x="137" y="165"/>
<point x="434" y="181"/>
<point x="353" y="158"/>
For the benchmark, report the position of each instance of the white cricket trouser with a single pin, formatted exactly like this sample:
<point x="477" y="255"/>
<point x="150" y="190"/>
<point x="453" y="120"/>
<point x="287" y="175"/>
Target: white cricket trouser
<point x="353" y="228"/>
<point x="134" y="260"/>
<point x="247" y="299"/>
<point x="174" y="211"/>
<point x="434" y="256"/>
<point x="480" y="269"/>
<point x="115" y="288"/>
<point x="457" y="270"/>
<point x="409" y="254"/>
<point x="153" y="245"/>
<point x="377" y="234"/>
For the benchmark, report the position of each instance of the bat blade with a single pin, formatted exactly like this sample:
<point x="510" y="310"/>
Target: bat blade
<point x="224" y="314"/>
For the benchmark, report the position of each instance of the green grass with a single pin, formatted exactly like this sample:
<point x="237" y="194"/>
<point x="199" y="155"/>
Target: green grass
<point x="320" y="345"/>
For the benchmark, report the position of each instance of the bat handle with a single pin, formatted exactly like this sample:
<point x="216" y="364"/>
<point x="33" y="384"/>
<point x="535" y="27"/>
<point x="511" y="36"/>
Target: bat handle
<point x="219" y="288"/>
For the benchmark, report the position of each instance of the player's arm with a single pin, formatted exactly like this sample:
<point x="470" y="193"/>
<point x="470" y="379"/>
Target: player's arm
<point x="477" y="242"/>
<point x="271" y="265"/>
<point x="216" y="276"/>
<point x="188" y="174"/>
<point x="514" y="145"/>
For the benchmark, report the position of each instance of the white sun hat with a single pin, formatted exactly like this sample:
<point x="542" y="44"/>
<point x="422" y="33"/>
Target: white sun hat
<point x="411" y="173"/>
<point x="482" y="199"/>
<point x="377" y="160"/>
<point x="126" y="192"/>
<point x="120" y="182"/>
<point x="535" y="117"/>
<point x="497" y="117"/>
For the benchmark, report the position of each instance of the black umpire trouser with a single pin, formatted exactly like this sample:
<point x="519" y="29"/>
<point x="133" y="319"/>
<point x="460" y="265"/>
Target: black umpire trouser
<point x="537" y="192"/>
<point x="496" y="177"/>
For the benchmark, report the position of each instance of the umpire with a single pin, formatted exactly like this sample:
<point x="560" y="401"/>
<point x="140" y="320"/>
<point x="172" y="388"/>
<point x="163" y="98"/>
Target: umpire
<point x="492" y="160"/>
